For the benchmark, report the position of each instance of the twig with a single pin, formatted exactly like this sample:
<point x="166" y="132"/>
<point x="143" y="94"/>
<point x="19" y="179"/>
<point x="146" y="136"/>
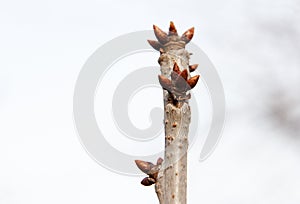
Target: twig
<point x="170" y="175"/>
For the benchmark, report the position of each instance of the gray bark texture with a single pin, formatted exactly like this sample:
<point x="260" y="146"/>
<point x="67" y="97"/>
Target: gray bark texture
<point x="170" y="175"/>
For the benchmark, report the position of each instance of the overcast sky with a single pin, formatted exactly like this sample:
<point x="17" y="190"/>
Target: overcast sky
<point x="254" y="45"/>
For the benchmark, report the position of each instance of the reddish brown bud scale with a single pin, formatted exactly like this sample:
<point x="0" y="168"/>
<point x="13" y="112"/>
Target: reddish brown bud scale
<point x="193" y="81"/>
<point x="154" y="176"/>
<point x="188" y="35"/>
<point x="180" y="84"/>
<point x="161" y="36"/>
<point x="155" y="44"/>
<point x="193" y="67"/>
<point x="172" y="29"/>
<point x="176" y="68"/>
<point x="148" y="181"/>
<point x="159" y="161"/>
<point x="174" y="76"/>
<point x="165" y="82"/>
<point x="184" y="74"/>
<point x="180" y="81"/>
<point x="144" y="166"/>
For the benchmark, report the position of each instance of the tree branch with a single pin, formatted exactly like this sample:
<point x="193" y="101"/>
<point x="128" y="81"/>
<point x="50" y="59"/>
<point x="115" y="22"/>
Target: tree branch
<point x="170" y="176"/>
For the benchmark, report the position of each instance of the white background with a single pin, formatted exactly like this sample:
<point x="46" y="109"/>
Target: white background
<point x="254" y="46"/>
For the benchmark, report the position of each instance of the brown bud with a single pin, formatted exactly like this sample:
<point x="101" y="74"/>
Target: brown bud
<point x="172" y="29"/>
<point x="188" y="35"/>
<point x="165" y="82"/>
<point x="159" y="161"/>
<point x="180" y="84"/>
<point x="148" y="181"/>
<point x="155" y="44"/>
<point x="144" y="166"/>
<point x="184" y="74"/>
<point x="161" y="36"/>
<point x="174" y="76"/>
<point x="154" y="176"/>
<point x="193" y="81"/>
<point x="176" y="68"/>
<point x="193" y="67"/>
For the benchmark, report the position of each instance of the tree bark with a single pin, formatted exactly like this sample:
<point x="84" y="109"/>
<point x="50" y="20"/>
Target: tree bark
<point x="170" y="177"/>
